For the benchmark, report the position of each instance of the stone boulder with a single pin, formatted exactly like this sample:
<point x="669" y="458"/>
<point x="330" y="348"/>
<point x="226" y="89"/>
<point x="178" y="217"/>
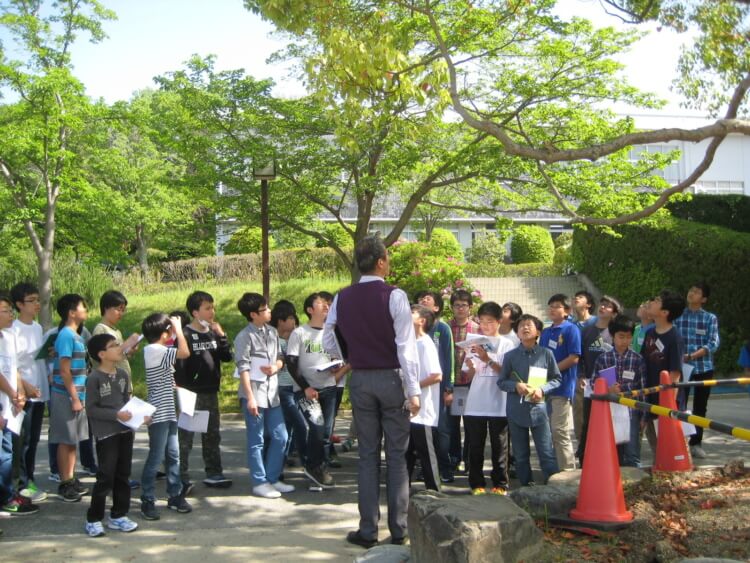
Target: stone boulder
<point x="385" y="554"/>
<point x="546" y="500"/>
<point x="629" y="475"/>
<point x="470" y="529"/>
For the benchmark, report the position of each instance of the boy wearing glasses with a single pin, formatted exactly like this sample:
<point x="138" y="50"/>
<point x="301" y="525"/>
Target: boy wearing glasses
<point x="113" y="305"/>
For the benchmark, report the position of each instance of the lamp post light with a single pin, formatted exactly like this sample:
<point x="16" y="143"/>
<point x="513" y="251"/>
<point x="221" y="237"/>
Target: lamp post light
<point x="265" y="174"/>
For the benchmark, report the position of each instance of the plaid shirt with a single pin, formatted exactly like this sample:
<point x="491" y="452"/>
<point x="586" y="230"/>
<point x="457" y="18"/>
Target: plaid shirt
<point x="629" y="361"/>
<point x="699" y="329"/>
<point x="459" y="335"/>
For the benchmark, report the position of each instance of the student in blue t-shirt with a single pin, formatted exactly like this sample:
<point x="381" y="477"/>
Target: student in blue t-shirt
<point x="564" y="339"/>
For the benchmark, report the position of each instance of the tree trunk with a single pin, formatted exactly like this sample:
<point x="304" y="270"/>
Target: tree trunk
<point x="141" y="250"/>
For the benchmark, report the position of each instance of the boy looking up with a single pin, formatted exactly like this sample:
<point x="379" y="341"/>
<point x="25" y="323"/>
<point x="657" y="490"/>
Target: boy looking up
<point x="258" y="357"/>
<point x="564" y="339"/>
<point x="12" y="401"/>
<point x="442" y="337"/>
<point x="699" y="330"/>
<point x="642" y="327"/>
<point x="583" y="306"/>
<point x="68" y="422"/>
<point x="113" y="306"/>
<point x="662" y="349"/>
<point x="29" y="339"/>
<point x="159" y="361"/>
<point x="315" y="391"/>
<point x="630" y="373"/>
<point x="107" y="392"/>
<point x="201" y="374"/>
<point x="511" y="313"/>
<point x="525" y="404"/>
<point x="485" y="410"/>
<point x="421" y="441"/>
<point x="595" y="340"/>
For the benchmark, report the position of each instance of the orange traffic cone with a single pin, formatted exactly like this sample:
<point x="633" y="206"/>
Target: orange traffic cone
<point x="600" y="496"/>
<point x="671" y="449"/>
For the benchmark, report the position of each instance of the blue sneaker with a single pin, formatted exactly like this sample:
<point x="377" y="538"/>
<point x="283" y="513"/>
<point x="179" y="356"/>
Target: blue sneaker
<point x="95" y="529"/>
<point x="122" y="524"/>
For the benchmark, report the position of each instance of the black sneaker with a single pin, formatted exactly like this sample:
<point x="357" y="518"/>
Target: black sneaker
<point x="447" y="478"/>
<point x="179" y="504"/>
<point x="68" y="492"/>
<point x="218" y="481"/>
<point x="160" y="475"/>
<point x="19" y="506"/>
<point x="334" y="463"/>
<point x="320" y="476"/>
<point x="148" y="510"/>
<point x="80" y="488"/>
<point x="187" y="488"/>
<point x="357" y="539"/>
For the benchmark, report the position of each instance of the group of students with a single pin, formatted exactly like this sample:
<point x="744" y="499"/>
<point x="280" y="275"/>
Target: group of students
<point x="520" y="379"/>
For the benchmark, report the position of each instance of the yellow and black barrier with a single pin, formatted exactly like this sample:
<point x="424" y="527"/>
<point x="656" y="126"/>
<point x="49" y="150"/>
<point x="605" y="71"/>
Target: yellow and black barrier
<point x="742" y="433"/>
<point x="707" y="383"/>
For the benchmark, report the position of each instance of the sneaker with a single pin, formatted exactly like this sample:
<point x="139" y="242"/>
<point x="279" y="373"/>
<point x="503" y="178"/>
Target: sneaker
<point x="187" y="488"/>
<point x="283" y="487"/>
<point x="266" y="490"/>
<point x="68" y="493"/>
<point x="19" y="506"/>
<point x="160" y="475"/>
<point x="358" y="539"/>
<point x="33" y="493"/>
<point x="95" y="529"/>
<point x="218" y="481"/>
<point x="54" y="477"/>
<point x="90" y="471"/>
<point x="80" y="488"/>
<point x="319" y="476"/>
<point x="697" y="452"/>
<point x="447" y="478"/>
<point x="122" y="524"/>
<point x="501" y="491"/>
<point x="179" y="504"/>
<point x="347" y="445"/>
<point x="134" y="483"/>
<point x="148" y="510"/>
<point x="478" y="491"/>
<point x="334" y="464"/>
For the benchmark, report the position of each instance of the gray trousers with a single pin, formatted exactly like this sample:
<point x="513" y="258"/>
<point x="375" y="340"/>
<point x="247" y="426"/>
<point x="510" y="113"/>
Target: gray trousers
<point x="377" y="398"/>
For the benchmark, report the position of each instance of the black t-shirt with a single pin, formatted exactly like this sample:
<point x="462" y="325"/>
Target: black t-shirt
<point x="201" y="372"/>
<point x="661" y="352"/>
<point x="594" y="341"/>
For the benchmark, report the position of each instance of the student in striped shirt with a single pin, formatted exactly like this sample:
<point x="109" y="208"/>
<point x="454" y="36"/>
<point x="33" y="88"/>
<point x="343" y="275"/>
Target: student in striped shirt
<point x="159" y="360"/>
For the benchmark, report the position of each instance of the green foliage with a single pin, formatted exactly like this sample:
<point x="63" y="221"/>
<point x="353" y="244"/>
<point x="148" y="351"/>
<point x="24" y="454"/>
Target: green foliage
<point x="636" y="261"/>
<point x="417" y="266"/>
<point x="530" y="270"/>
<point x="487" y="249"/>
<point x="730" y="211"/>
<point x="563" y="239"/>
<point x="336" y="233"/>
<point x="443" y="242"/>
<point x="246" y="240"/>
<point x="531" y="243"/>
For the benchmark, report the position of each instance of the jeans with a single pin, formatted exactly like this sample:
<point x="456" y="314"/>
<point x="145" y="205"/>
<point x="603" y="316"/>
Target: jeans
<point x="162" y="441"/>
<point x="319" y="432"/>
<point x="6" y="467"/>
<point x="270" y="421"/>
<point x="24" y="446"/>
<point x="519" y="436"/>
<point x="296" y="427"/>
<point x="629" y="454"/>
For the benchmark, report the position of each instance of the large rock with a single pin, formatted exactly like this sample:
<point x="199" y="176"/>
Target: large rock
<point x="628" y="475"/>
<point x="546" y="500"/>
<point x="385" y="554"/>
<point x="470" y="529"/>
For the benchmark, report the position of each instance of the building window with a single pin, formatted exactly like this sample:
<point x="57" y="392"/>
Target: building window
<point x="719" y="187"/>
<point x="671" y="172"/>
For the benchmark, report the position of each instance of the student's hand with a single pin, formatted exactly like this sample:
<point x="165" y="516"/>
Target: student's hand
<point x="124" y="416"/>
<point x="268" y="370"/>
<point x="414" y="405"/>
<point x="216" y="327"/>
<point x="32" y="391"/>
<point x="522" y="388"/>
<point x="582" y="383"/>
<point x="176" y="324"/>
<point x="75" y="404"/>
<point x="448" y="398"/>
<point x="340" y="372"/>
<point x="311" y="394"/>
<point x="252" y="407"/>
<point x="614" y="388"/>
<point x="19" y="401"/>
<point x="147" y="420"/>
<point x="481" y="353"/>
<point x="51" y="353"/>
<point x="536" y="395"/>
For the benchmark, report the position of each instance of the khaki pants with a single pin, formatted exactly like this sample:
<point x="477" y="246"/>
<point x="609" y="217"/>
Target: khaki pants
<point x="560" y="412"/>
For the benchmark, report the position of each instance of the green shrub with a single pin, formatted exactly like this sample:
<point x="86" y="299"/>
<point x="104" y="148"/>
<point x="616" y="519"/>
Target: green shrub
<point x="246" y="240"/>
<point x="531" y="243"/>
<point x="337" y="233"/>
<point x="442" y="242"/>
<point x="530" y="270"/>
<point x="488" y="248"/>
<point x="730" y="211"/>
<point x="563" y="239"/>
<point x="635" y="261"/>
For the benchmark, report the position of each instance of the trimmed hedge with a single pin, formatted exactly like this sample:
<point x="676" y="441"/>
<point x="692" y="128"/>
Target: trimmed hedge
<point x="636" y="261"/>
<point x="531" y="243"/>
<point x="730" y="211"/>
<point x="284" y="265"/>
<point x="530" y="270"/>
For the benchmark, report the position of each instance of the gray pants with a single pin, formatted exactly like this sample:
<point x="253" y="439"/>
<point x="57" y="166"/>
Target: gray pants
<point x="377" y="398"/>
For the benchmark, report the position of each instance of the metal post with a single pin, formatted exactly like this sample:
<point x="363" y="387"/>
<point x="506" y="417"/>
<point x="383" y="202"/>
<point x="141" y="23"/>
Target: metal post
<point x="264" y="239"/>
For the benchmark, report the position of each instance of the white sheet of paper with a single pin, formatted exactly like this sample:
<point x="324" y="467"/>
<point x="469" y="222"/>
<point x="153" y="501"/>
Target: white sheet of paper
<point x="620" y="422"/>
<point x="460" y="395"/>
<point x="186" y="400"/>
<point x="687" y="372"/>
<point x="196" y="423"/>
<point x="255" y="373"/>
<point x="140" y="409"/>
<point x="15" y="422"/>
<point x="329" y="365"/>
<point x="474" y="340"/>
<point x="587" y="388"/>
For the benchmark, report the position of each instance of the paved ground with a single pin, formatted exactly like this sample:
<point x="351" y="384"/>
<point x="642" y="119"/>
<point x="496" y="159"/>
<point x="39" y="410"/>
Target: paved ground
<point x="233" y="525"/>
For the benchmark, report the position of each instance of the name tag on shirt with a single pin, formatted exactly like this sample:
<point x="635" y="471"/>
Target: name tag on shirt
<point x="700" y="331"/>
<point x="628" y="374"/>
<point x="552" y="344"/>
<point x="659" y="345"/>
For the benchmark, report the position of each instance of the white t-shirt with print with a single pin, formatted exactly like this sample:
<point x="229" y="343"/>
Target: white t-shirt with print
<point x="429" y="363"/>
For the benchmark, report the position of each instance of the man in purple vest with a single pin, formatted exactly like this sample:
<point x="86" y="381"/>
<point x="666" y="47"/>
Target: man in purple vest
<point x="370" y="325"/>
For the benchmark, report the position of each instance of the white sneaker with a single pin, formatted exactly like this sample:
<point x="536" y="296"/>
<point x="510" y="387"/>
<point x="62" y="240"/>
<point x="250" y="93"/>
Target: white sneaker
<point x="95" y="529"/>
<point x="123" y="524"/>
<point x="697" y="452"/>
<point x="266" y="490"/>
<point x="283" y="487"/>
